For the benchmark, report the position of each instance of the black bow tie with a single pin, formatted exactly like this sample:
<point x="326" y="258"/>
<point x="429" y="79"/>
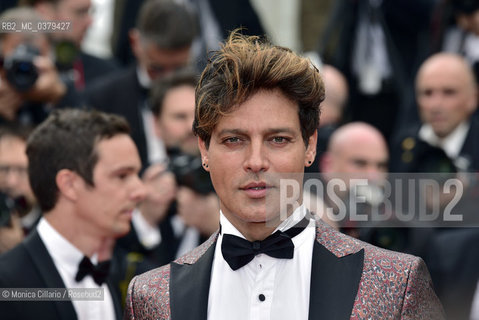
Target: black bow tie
<point x="98" y="272"/>
<point x="238" y="252"/>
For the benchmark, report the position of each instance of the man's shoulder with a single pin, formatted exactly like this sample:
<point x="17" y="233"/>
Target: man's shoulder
<point x="120" y="82"/>
<point x="342" y="245"/>
<point x="161" y="275"/>
<point x="16" y="266"/>
<point x="17" y="253"/>
<point x="112" y="80"/>
<point x="400" y="283"/>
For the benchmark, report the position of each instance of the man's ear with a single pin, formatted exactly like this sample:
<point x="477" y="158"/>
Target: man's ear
<point x="311" y="149"/>
<point x="134" y="37"/>
<point x="204" y="153"/>
<point x="67" y="183"/>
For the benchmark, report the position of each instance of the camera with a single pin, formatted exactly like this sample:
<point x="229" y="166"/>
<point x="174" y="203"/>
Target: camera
<point x="8" y="205"/>
<point x="21" y="73"/>
<point x="189" y="173"/>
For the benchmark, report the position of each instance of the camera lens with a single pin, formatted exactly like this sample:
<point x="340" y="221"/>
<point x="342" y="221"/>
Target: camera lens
<point x="20" y="70"/>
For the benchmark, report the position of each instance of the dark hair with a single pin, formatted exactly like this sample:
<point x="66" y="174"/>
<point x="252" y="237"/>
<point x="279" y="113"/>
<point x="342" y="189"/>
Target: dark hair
<point x="67" y="140"/>
<point x="16" y="130"/>
<point x="166" y="24"/>
<point x="243" y="66"/>
<point x="464" y="6"/>
<point x="164" y="84"/>
<point x="35" y="2"/>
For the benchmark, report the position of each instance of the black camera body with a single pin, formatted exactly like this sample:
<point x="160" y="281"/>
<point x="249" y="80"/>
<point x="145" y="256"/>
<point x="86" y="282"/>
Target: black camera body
<point x="8" y="205"/>
<point x="189" y="172"/>
<point x="20" y="70"/>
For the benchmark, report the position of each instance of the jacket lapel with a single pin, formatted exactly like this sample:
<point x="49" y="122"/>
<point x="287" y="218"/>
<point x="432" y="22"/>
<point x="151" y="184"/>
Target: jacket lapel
<point x="115" y="298"/>
<point x="44" y="263"/>
<point x="334" y="283"/>
<point x="189" y="287"/>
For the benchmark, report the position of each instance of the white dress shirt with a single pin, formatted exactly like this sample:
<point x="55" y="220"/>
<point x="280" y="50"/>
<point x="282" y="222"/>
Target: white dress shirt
<point x="66" y="258"/>
<point x="452" y="144"/>
<point x="154" y="145"/>
<point x="148" y="235"/>
<point x="265" y="288"/>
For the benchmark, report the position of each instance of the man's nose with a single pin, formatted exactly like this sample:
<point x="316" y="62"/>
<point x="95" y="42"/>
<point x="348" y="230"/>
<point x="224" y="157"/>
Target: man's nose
<point x="139" y="191"/>
<point x="256" y="157"/>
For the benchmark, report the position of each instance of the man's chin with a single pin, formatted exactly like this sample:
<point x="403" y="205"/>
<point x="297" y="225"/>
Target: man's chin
<point x="121" y="231"/>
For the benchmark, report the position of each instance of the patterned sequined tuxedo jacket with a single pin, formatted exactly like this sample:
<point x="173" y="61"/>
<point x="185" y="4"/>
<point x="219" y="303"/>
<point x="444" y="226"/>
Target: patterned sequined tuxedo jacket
<point x="350" y="279"/>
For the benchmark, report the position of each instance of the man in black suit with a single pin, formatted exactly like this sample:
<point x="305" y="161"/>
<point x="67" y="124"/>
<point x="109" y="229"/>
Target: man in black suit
<point x="161" y="44"/>
<point x="447" y="139"/>
<point x="83" y="168"/>
<point x="257" y="110"/>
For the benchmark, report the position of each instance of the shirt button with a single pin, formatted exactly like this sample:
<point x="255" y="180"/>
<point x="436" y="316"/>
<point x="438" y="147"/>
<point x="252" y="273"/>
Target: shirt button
<point x="261" y="297"/>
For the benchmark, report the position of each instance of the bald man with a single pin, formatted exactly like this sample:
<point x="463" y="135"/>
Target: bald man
<point x="337" y="93"/>
<point x="446" y="94"/>
<point x="359" y="151"/>
<point x="356" y="148"/>
<point x="356" y="151"/>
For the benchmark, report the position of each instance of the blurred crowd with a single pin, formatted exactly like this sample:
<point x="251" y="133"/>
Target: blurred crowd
<point x="401" y="97"/>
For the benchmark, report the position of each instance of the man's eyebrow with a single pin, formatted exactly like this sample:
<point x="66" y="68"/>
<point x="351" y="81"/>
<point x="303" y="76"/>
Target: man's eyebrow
<point x="123" y="169"/>
<point x="231" y="131"/>
<point x="268" y="131"/>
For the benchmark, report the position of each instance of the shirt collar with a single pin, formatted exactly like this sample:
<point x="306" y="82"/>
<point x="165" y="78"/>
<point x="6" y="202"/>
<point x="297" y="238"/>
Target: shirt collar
<point x="228" y="228"/>
<point x="143" y="77"/>
<point x="63" y="252"/>
<point x="30" y="218"/>
<point x="148" y="235"/>
<point x="451" y="144"/>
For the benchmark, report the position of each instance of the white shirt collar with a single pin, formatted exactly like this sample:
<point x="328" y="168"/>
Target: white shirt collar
<point x="228" y="228"/>
<point x="61" y="250"/>
<point x="143" y="77"/>
<point x="30" y="218"/>
<point x="451" y="144"/>
<point x="148" y="235"/>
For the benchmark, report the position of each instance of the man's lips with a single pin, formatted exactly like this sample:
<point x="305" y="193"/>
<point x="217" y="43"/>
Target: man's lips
<point x="128" y="212"/>
<point x="256" y="190"/>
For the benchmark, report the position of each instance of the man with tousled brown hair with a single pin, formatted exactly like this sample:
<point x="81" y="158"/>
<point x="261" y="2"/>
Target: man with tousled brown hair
<point x="257" y="110"/>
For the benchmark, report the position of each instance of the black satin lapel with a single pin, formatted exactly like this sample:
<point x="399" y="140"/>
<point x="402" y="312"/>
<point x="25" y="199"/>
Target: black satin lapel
<point x="44" y="263"/>
<point x="334" y="283"/>
<point x="189" y="288"/>
<point x="115" y="296"/>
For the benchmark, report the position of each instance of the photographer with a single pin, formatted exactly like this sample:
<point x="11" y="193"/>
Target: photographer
<point x="11" y="232"/>
<point x="173" y="105"/>
<point x="30" y="84"/>
<point x="13" y="174"/>
<point x="19" y="212"/>
<point x="75" y="19"/>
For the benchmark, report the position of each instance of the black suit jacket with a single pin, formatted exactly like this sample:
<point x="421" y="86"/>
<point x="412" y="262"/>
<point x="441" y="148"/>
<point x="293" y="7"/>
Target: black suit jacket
<point x="29" y="265"/>
<point x="454" y="265"/>
<point x="95" y="68"/>
<point x="418" y="156"/>
<point x="121" y="93"/>
<point x="349" y="279"/>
